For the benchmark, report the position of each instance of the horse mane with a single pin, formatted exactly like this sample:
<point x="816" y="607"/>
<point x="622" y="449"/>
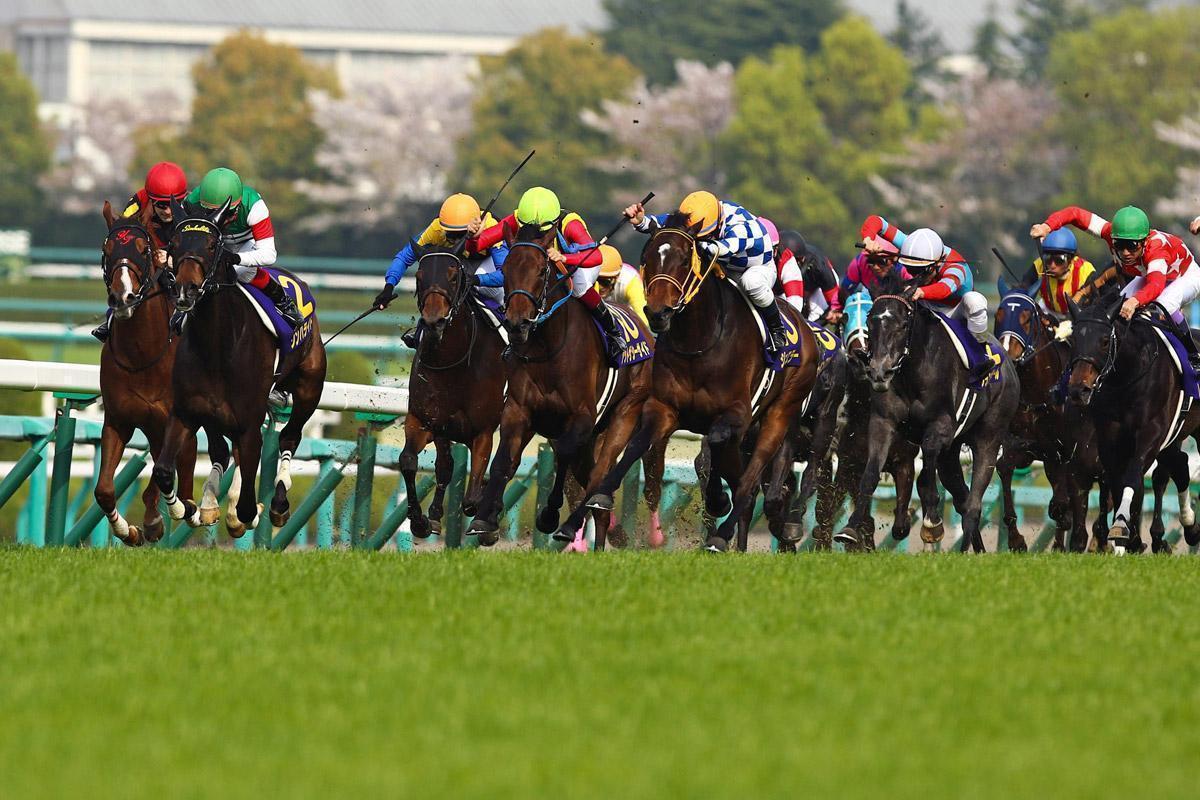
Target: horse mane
<point x="891" y="283"/>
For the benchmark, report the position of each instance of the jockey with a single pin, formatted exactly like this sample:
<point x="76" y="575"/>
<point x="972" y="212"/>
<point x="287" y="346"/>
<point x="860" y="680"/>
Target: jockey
<point x="249" y="237"/>
<point x="1160" y="265"/>
<point x="736" y="238"/>
<point x="789" y="284"/>
<point x="621" y="282"/>
<point x="1058" y="273"/>
<point x="943" y="276"/>
<point x="821" y="283"/>
<point x="166" y="185"/>
<point x="870" y="270"/>
<point x="457" y="220"/>
<point x="575" y="254"/>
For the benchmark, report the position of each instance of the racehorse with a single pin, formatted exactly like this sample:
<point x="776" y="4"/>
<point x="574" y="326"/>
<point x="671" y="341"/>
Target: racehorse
<point x="1045" y="428"/>
<point x="709" y="377"/>
<point x="457" y="378"/>
<point x="1124" y="376"/>
<point x="559" y="386"/>
<point x="224" y="370"/>
<point x="135" y="369"/>
<point x="852" y="445"/>
<point x="922" y="395"/>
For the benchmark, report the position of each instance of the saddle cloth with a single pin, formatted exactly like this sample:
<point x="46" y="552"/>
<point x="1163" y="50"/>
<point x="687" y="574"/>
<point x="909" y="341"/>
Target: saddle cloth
<point x="287" y="338"/>
<point x="1187" y="375"/>
<point x="637" y="349"/>
<point x="491" y="312"/>
<point x="971" y="351"/>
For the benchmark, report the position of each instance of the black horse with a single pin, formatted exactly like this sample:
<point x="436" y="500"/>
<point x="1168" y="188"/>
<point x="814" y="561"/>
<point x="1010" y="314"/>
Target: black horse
<point x="1123" y="374"/>
<point x="922" y="395"/>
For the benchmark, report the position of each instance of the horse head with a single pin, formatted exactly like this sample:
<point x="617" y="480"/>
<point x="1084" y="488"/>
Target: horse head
<point x="858" y="308"/>
<point x="197" y="255"/>
<point x="442" y="286"/>
<point x="890" y="328"/>
<point x="529" y="277"/>
<point x="670" y="265"/>
<point x="1016" y="327"/>
<point x="1094" y="343"/>
<point x="127" y="259"/>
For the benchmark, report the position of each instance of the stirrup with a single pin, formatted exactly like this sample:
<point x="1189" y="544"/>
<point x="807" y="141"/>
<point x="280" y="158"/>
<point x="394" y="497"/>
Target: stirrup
<point x="279" y="399"/>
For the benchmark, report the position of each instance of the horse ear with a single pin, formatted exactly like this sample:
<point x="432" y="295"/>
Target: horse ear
<point x="108" y="213"/>
<point x="146" y="215"/>
<point x="1113" y="310"/>
<point x="1002" y="286"/>
<point x="215" y="218"/>
<point x="1072" y="307"/>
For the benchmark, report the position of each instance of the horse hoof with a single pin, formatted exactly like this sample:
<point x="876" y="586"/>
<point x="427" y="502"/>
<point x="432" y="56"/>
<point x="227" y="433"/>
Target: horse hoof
<point x="209" y="516"/>
<point x="848" y="537"/>
<point x="1191" y="534"/>
<point x="1118" y="534"/>
<point x="715" y="544"/>
<point x="133" y="538"/>
<point x="435" y="527"/>
<point x="547" y="520"/>
<point x="724" y="507"/>
<point x="469" y="509"/>
<point x="932" y="534"/>
<point x="563" y="534"/>
<point x="236" y="529"/>
<point x="1018" y="545"/>
<point x="488" y="538"/>
<point x="280" y="518"/>
<point x="792" y="532"/>
<point x="1162" y="547"/>
<point x="479" y="527"/>
<point x="617" y="537"/>
<point x="152" y="533"/>
<point x="785" y="547"/>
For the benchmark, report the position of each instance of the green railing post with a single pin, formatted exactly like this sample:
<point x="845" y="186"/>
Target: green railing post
<point x="269" y="464"/>
<point x="85" y="490"/>
<point x="326" y="510"/>
<point x="92" y="515"/>
<point x="21" y="470"/>
<point x="35" y="507"/>
<point x="325" y="485"/>
<point x="545" y="482"/>
<point x="364" y="483"/>
<point x="455" y="522"/>
<point x="60" y="482"/>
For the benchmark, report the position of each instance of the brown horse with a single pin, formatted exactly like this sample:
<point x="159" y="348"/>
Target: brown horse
<point x="559" y="378"/>
<point x="135" y="369"/>
<point x="456" y="384"/>
<point x="710" y="377"/>
<point x="224" y="372"/>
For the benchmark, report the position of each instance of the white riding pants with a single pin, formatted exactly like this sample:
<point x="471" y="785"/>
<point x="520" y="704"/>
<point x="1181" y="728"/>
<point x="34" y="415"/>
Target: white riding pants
<point x="583" y="279"/>
<point x="484" y="266"/>
<point x="1177" y="294"/>
<point x="758" y="283"/>
<point x="973" y="308"/>
<point x="244" y="274"/>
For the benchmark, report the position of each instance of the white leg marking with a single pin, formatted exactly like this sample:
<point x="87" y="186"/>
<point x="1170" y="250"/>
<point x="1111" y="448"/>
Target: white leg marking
<point x="231" y="499"/>
<point x="120" y="527"/>
<point x="212" y="486"/>
<point x="1123" y="511"/>
<point x="1187" y="514"/>
<point x="284" y="473"/>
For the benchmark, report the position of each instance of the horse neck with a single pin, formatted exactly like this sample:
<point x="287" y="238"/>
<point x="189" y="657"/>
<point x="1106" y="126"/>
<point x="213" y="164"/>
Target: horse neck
<point x="457" y="334"/>
<point x="218" y="324"/>
<point x="1042" y="373"/>
<point x="694" y="322"/>
<point x="141" y="338"/>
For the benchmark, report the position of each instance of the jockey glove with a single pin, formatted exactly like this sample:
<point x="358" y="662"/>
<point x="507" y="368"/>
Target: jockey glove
<point x="383" y="298"/>
<point x="474" y="280"/>
<point x="710" y="249"/>
<point x="166" y="280"/>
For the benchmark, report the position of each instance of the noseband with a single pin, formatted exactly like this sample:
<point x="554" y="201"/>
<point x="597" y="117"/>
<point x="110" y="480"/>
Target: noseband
<point x="1102" y="370"/>
<point x="539" y="303"/>
<point x="912" y="310"/>
<point x="209" y="269"/>
<point x="454" y="301"/>
<point x="145" y="272"/>
<point x="689" y="287"/>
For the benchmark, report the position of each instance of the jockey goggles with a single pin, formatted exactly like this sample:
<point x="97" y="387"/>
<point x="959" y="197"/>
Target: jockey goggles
<point x="1127" y="245"/>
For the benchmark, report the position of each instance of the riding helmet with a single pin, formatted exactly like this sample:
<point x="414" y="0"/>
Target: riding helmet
<point x="703" y="208"/>
<point x="166" y="181"/>
<point x="1130" y="223"/>
<point x="610" y="266"/>
<point x="772" y="231"/>
<point x="922" y="249"/>
<point x="1060" y="241"/>
<point x="539" y="206"/>
<point x="219" y="185"/>
<point x="457" y="212"/>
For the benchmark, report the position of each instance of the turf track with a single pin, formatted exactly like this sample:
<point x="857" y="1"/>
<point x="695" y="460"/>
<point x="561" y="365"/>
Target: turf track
<point x="219" y="674"/>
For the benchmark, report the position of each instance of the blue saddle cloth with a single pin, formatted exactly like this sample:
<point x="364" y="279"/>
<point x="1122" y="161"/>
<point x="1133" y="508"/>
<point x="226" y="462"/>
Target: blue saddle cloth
<point x="637" y="349"/>
<point x="828" y="344"/>
<point x="976" y="352"/>
<point x="778" y="360"/>
<point x="289" y="339"/>
<point x="1187" y="375"/>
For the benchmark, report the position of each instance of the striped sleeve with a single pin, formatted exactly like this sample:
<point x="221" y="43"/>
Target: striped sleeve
<point x="263" y="253"/>
<point x="651" y="222"/>
<point x="1080" y="218"/>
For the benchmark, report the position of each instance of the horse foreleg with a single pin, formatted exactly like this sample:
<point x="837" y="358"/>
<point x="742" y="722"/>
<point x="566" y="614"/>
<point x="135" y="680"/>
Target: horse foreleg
<point x="165" y="462"/>
<point x="653" y="467"/>
<point x="881" y="435"/>
<point x="516" y="430"/>
<point x="112" y="446"/>
<point x="983" y="464"/>
<point x="657" y="421"/>
<point x="778" y="492"/>
<point x="415" y="440"/>
<point x="248" y="507"/>
<point x="726" y="466"/>
<point x="443" y="473"/>
<point x="902" y="472"/>
<point x="1005" y="468"/>
<point x="481" y="449"/>
<point x="567" y="447"/>
<point x="1160" y="478"/>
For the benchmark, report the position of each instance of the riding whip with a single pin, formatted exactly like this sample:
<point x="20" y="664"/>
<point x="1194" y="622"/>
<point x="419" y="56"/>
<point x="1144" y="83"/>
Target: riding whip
<point x="348" y="324"/>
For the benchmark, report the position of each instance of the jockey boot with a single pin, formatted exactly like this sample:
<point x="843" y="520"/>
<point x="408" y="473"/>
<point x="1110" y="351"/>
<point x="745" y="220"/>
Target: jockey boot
<point x="1184" y="332"/>
<point x="284" y="302"/>
<point x="412" y="336"/>
<point x="101" y="331"/>
<point x="614" y="339"/>
<point x="775" y="330"/>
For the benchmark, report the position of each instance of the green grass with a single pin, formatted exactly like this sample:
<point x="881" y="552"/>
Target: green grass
<point x="217" y="674"/>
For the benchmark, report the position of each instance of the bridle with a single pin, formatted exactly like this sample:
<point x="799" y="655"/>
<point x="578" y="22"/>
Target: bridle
<point x="208" y="270"/>
<point x="689" y="287"/>
<point x="912" y="311"/>
<point x="1018" y="303"/>
<point x="455" y="302"/>
<point x="548" y="284"/>
<point x="1102" y="370"/>
<point x="145" y="272"/>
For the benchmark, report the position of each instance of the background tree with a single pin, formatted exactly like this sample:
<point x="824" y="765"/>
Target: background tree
<point x="1184" y="205"/>
<point x="921" y="43"/>
<point x="534" y="96"/>
<point x="654" y="34"/>
<point x="1116" y="80"/>
<point x="251" y="112"/>
<point x="1040" y="26"/>
<point x="24" y="147"/>
<point x="989" y="45"/>
<point x="668" y="135"/>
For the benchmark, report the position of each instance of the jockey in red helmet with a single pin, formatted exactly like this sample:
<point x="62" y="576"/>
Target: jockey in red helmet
<point x="164" y="189"/>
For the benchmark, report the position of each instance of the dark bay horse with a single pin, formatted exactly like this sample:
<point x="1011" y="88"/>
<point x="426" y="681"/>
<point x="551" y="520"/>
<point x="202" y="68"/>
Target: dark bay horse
<point x="922" y="396"/>
<point x="1122" y="373"/>
<point x="224" y="370"/>
<point x="559" y="376"/>
<point x="853" y="442"/>
<point x="709" y="377"/>
<point x="1045" y="428"/>
<point x="456" y="384"/>
<point x="135" y="369"/>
